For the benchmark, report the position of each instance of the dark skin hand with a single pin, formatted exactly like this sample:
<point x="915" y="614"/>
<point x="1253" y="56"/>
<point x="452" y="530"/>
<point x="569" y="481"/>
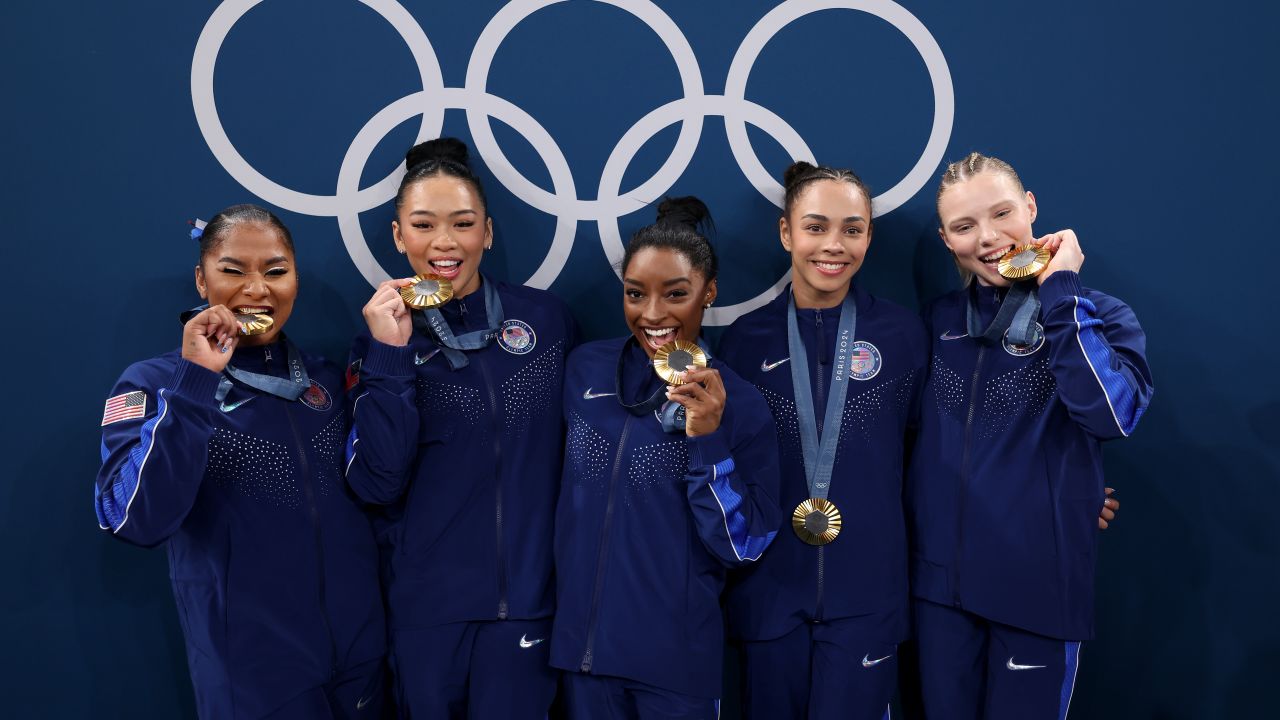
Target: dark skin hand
<point x="1109" y="508"/>
<point x="702" y="396"/>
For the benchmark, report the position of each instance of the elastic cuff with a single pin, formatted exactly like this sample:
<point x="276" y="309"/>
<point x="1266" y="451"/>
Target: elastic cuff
<point x="388" y="360"/>
<point x="194" y="382"/>
<point x="708" y="449"/>
<point x="1061" y="284"/>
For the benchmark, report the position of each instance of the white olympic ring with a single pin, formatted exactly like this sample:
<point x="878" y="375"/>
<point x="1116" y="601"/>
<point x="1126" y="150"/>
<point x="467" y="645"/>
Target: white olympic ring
<point x="610" y="204"/>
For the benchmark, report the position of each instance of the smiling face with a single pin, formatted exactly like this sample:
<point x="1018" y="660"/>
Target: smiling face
<point x="982" y="219"/>
<point x="663" y="297"/>
<point x="827" y="232"/>
<point x="251" y="271"/>
<point x="442" y="227"/>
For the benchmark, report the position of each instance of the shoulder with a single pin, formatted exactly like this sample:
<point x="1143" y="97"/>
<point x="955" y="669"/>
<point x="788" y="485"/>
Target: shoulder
<point x="534" y="305"/>
<point x="895" y="324"/>
<point x="741" y="395"/>
<point x="150" y="374"/>
<point x="748" y="330"/>
<point x="595" y="352"/>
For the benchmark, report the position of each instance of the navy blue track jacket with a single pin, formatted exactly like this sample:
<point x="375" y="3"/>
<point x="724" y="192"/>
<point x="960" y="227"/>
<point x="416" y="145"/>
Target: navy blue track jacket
<point x="273" y="562"/>
<point x="467" y="462"/>
<point x="1006" y="479"/>
<point x="649" y="522"/>
<point x="864" y="571"/>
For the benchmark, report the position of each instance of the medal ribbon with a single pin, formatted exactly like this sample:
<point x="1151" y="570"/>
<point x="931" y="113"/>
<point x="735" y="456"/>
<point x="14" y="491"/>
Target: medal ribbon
<point x="670" y="414"/>
<point x="819" y="459"/>
<point x="1017" y="315"/>
<point x="433" y="323"/>
<point x="290" y="388"/>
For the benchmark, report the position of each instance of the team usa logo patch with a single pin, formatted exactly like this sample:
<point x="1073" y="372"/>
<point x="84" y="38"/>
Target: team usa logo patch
<point x="317" y="398"/>
<point x="864" y="361"/>
<point x="1024" y="350"/>
<point x="516" y="337"/>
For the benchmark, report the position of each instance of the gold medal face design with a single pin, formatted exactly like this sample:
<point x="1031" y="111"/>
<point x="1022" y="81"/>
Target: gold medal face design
<point x="427" y="291"/>
<point x="1023" y="262"/>
<point x="254" y="324"/>
<point x="816" y="521"/>
<point x="670" y="360"/>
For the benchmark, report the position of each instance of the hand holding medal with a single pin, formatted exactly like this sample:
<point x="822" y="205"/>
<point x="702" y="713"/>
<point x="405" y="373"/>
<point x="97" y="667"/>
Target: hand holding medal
<point x="697" y="387"/>
<point x="210" y="338"/>
<point x="1064" y="246"/>
<point x="387" y="315"/>
<point x="1042" y="257"/>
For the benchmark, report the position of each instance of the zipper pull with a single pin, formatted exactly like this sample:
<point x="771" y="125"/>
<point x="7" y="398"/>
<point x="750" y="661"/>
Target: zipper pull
<point x="267" y="350"/>
<point x="823" y="357"/>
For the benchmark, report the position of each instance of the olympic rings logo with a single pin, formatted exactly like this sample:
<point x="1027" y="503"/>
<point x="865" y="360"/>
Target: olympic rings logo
<point x="563" y="202"/>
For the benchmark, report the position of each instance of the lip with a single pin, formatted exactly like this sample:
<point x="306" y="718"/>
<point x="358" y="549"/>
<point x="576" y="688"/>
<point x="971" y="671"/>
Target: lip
<point x="448" y="273"/>
<point x="669" y="333"/>
<point x="841" y="266"/>
<point x="995" y="255"/>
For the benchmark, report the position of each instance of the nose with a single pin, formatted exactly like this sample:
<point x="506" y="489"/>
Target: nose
<point x="988" y="234"/>
<point x="444" y="241"/>
<point x="255" y="286"/>
<point x="654" y="311"/>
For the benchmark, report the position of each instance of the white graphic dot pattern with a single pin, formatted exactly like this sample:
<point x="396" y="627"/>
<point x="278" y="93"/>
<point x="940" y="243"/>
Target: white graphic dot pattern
<point x="656" y="467"/>
<point x="257" y="468"/>
<point x="524" y="393"/>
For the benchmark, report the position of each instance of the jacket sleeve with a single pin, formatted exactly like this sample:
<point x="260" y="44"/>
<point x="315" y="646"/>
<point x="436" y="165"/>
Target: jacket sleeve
<point x="733" y="491"/>
<point x="152" y="465"/>
<point x="383" y="440"/>
<point x="1097" y="356"/>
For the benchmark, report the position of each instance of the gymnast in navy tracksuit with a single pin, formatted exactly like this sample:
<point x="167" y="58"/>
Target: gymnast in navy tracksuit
<point x="230" y="451"/>
<point x="664" y="490"/>
<point x="1006" y="476"/>
<point x="821" y="623"/>
<point x="459" y="410"/>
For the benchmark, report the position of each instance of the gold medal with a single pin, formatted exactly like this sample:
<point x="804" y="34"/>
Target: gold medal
<point x="254" y="324"/>
<point x="1023" y="262"/>
<point x="671" y="360"/>
<point x="427" y="291"/>
<point x="816" y="521"/>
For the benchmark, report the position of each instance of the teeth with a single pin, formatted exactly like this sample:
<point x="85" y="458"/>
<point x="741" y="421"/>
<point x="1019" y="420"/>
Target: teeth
<point x="658" y="333"/>
<point x="445" y="263"/>
<point x="246" y="310"/>
<point x="829" y="266"/>
<point x="994" y="256"/>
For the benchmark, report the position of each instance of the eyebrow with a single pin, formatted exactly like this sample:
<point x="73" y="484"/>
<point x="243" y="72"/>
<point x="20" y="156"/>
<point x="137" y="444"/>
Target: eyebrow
<point x="276" y="259"/>
<point x="272" y="261"/>
<point x="230" y="260"/>
<point x="432" y="214"/>
<point x="672" y="281"/>
<point x="824" y="218"/>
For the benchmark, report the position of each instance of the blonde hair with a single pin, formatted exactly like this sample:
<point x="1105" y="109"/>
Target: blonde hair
<point x="962" y="170"/>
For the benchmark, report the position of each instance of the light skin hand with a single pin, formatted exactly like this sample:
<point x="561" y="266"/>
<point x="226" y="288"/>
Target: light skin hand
<point x="387" y="316"/>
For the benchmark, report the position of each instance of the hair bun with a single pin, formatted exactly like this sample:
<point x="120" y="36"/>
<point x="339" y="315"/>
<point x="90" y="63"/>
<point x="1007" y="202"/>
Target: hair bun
<point x="796" y="171"/>
<point x="439" y="149"/>
<point x="687" y="211"/>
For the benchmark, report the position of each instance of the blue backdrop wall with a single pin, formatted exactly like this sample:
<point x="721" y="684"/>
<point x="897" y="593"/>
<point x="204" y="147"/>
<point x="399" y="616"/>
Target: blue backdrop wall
<point x="1145" y="127"/>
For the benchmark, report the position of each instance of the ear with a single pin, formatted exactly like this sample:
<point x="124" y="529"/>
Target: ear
<point x="200" y="284"/>
<point x="784" y="234"/>
<point x="395" y="235"/>
<point x="488" y="233"/>
<point x="712" y="290"/>
<point x="1031" y="205"/>
<point x="943" y="234"/>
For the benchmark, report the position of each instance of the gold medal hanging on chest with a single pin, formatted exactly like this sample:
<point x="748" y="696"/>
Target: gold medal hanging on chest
<point x="1024" y="261"/>
<point x="254" y="324"/>
<point x="427" y="291"/>
<point x="816" y="521"/>
<point x="671" y="360"/>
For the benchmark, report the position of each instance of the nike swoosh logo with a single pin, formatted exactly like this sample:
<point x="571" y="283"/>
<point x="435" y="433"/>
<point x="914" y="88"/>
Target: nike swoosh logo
<point x="588" y="395"/>
<point x="1015" y="666"/>
<point x="419" y="359"/>
<point x="948" y="336"/>
<point x="868" y="662"/>
<point x="767" y="366"/>
<point x="224" y="407"/>
<point x="525" y="642"/>
<point x="362" y="702"/>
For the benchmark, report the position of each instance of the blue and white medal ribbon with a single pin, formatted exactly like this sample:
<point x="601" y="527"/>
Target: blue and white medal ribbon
<point x="433" y="323"/>
<point x="290" y="388"/>
<point x="817" y="520"/>
<point x="1017" y="315"/>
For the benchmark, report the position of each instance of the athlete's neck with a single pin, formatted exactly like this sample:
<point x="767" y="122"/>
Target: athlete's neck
<point x="810" y="298"/>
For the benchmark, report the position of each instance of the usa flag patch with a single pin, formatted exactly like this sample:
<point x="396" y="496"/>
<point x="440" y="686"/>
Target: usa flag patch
<point x="125" y="407"/>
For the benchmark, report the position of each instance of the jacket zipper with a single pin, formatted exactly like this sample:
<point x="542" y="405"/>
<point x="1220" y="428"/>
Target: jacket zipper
<point x="496" y="429"/>
<point x="314" y="509"/>
<point x="593" y="612"/>
<point x="964" y="472"/>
